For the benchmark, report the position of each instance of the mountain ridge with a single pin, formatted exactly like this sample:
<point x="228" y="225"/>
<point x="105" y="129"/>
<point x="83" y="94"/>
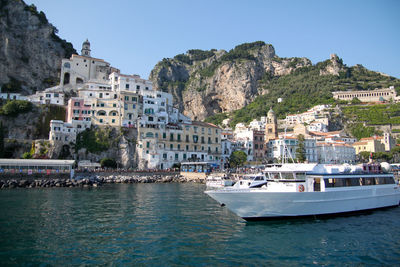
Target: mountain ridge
<point x="208" y="84"/>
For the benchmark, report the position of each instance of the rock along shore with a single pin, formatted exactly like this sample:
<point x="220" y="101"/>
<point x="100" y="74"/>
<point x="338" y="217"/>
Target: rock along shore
<point x="94" y="181"/>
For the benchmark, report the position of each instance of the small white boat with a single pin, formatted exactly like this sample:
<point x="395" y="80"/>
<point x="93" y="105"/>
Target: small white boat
<point x="251" y="181"/>
<point x="214" y="181"/>
<point x="295" y="190"/>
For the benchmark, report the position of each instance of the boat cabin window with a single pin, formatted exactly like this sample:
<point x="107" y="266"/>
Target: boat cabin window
<point x="353" y="182"/>
<point x="274" y="175"/>
<point x="346" y="182"/>
<point x="389" y="180"/>
<point x="368" y="181"/>
<point x="300" y="176"/>
<point x="384" y="180"/>
<point x="287" y="175"/>
<point x="258" y="178"/>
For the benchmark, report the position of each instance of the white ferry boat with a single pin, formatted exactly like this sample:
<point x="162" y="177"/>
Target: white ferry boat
<point x="213" y="181"/>
<point x="312" y="189"/>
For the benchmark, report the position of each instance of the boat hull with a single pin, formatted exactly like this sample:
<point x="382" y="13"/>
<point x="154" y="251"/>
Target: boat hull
<point x="256" y="204"/>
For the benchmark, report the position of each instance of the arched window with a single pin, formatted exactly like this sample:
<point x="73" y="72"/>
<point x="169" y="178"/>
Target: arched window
<point x="113" y="113"/>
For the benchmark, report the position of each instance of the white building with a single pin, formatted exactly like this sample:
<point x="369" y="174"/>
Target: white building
<point x="377" y="95"/>
<point x="332" y="137"/>
<point x="62" y="132"/>
<point x="47" y="97"/>
<point x="12" y="96"/>
<point x="315" y="114"/>
<point x="129" y="83"/>
<point x="258" y="125"/>
<point x="83" y="68"/>
<point x="317" y="126"/>
<point x="157" y="105"/>
<point x="227" y="149"/>
<point x="176" y="117"/>
<point x="244" y="137"/>
<point x="335" y="153"/>
<point x="286" y="147"/>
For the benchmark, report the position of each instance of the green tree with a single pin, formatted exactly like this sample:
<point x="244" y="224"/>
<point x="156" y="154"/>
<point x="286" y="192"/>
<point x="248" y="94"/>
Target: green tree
<point x="383" y="156"/>
<point x="16" y="107"/>
<point x="237" y="158"/>
<point x="355" y="101"/>
<point x="108" y="162"/>
<point x="94" y="140"/>
<point x="301" y="151"/>
<point x="27" y="155"/>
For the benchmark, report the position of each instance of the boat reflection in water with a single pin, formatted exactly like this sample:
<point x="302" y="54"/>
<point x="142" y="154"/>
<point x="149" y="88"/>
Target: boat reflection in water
<point x="294" y="190"/>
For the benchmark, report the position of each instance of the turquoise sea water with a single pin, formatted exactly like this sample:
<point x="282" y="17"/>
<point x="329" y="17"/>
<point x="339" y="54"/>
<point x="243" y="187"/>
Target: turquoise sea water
<point x="177" y="224"/>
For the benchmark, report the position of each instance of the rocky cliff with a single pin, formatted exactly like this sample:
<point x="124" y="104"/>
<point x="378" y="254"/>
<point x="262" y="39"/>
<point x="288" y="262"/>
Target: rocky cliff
<point x="30" y="50"/>
<point x="207" y="82"/>
<point x="245" y="82"/>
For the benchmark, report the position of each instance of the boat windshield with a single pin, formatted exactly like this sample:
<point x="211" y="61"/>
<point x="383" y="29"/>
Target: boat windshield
<point x="287" y="175"/>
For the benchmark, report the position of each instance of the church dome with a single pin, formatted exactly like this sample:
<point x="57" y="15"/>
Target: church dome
<point x="271" y="112"/>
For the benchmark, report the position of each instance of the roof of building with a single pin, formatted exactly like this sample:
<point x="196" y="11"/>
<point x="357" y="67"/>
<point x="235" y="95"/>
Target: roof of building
<point x="35" y="162"/>
<point x="90" y="58"/>
<point x="364" y="91"/>
<point x="204" y="124"/>
<point x="360" y="143"/>
<point x="326" y="134"/>
<point x="371" y="138"/>
<point x="333" y="144"/>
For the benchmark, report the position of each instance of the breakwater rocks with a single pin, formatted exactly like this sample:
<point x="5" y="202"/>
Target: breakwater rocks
<point x="93" y="181"/>
<point x="131" y="179"/>
<point x="40" y="183"/>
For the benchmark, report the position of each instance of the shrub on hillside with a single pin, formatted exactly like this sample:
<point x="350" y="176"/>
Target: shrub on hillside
<point x="108" y="163"/>
<point x="16" y="107"/>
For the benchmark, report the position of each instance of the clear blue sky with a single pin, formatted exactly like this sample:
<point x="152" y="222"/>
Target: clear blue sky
<point x="134" y="35"/>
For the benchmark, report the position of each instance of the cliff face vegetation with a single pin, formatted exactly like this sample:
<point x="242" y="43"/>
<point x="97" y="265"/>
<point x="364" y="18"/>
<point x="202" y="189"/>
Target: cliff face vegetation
<point x="30" y="49"/>
<point x="209" y="82"/>
<point x="22" y="123"/>
<point x="245" y="82"/>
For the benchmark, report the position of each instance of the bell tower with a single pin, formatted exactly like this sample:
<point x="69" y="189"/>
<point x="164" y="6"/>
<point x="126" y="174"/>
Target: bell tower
<point x="271" y="127"/>
<point x="85" y="48"/>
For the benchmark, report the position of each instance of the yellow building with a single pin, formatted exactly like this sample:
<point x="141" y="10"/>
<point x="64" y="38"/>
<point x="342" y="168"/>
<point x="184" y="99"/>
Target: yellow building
<point x="106" y="112"/>
<point x="131" y="107"/>
<point x="369" y="144"/>
<point x="115" y="109"/>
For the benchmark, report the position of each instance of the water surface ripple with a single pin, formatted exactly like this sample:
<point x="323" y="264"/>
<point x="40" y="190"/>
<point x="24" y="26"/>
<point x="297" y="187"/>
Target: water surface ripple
<point x="177" y="224"/>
